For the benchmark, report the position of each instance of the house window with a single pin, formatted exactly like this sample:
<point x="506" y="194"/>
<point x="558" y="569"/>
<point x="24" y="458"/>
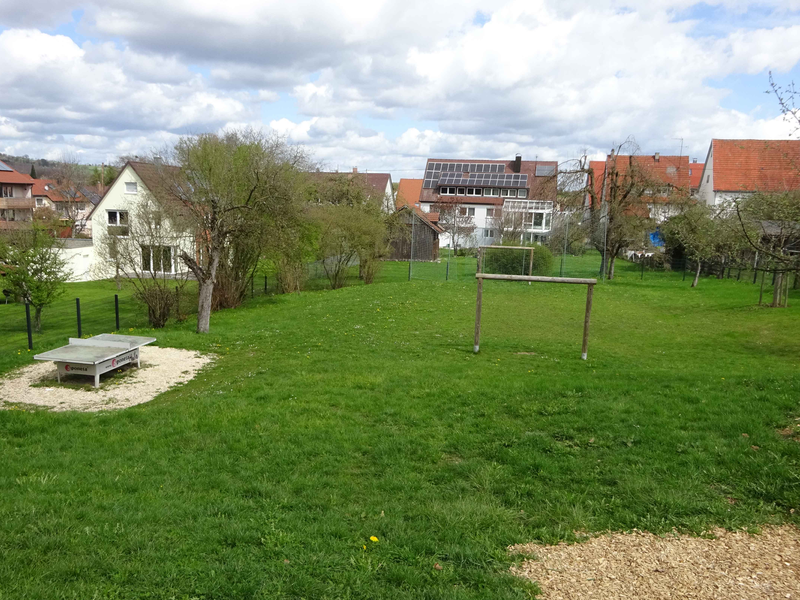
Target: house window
<point x="488" y="233"/>
<point x="474" y="191"/>
<point x="157" y="259"/>
<point x="522" y="193"/>
<point x="131" y="187"/>
<point x="547" y="218"/>
<point x="527" y="219"/>
<point x="491" y="192"/>
<point x="39" y="202"/>
<point x="118" y="222"/>
<point x="538" y="220"/>
<point x="489" y="212"/>
<point x="8" y="191"/>
<point x="7" y="214"/>
<point x="461" y="191"/>
<point x="512" y="193"/>
<point x="708" y="178"/>
<point x="470" y="212"/>
<point x="504" y="193"/>
<point x="447" y="191"/>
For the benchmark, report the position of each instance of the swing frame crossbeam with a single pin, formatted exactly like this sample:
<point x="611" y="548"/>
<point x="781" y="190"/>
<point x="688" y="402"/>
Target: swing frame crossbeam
<point x="480" y="276"/>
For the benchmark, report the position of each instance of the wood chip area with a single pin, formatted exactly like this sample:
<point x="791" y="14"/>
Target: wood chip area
<point x="642" y="565"/>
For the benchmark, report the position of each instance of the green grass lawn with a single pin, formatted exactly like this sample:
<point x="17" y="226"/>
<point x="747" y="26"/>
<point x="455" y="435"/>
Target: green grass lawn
<point x="333" y="416"/>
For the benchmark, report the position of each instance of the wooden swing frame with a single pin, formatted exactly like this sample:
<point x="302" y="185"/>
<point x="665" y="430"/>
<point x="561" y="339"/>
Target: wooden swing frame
<point x="480" y="276"/>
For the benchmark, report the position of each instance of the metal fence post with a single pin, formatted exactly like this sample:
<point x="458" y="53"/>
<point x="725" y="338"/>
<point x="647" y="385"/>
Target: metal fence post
<point x="684" y="268"/>
<point x="447" y="271"/>
<point x="28" y="319"/>
<point x="265" y="284"/>
<point x="642" y="277"/>
<point x="116" y="309"/>
<point x="78" y="310"/>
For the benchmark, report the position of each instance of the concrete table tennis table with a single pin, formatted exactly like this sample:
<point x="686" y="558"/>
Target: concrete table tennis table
<point x="96" y="355"/>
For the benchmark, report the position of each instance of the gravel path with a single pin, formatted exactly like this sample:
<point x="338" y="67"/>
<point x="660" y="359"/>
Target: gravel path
<point x="162" y="368"/>
<point x="643" y="565"/>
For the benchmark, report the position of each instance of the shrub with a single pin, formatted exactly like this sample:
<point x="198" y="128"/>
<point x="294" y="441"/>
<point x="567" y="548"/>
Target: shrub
<point x="517" y="262"/>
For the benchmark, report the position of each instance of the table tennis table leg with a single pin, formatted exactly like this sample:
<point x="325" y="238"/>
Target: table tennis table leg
<point x="97" y="380"/>
<point x="58" y="374"/>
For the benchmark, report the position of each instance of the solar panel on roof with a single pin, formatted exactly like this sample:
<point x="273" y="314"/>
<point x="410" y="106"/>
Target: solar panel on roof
<point x="4" y="167"/>
<point x="545" y="170"/>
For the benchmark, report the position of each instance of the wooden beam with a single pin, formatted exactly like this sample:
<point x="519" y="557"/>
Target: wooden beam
<point x="477" y="345"/>
<point x="585" y="347"/>
<point x="506" y="247"/>
<point x="480" y="276"/>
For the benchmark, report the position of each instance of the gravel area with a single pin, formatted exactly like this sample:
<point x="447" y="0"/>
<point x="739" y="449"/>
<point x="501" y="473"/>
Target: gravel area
<point x="162" y="368"/>
<point x="643" y="565"/>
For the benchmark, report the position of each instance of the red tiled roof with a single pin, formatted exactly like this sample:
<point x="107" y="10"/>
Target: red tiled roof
<point x="39" y="187"/>
<point x="755" y="165"/>
<point x="408" y="192"/>
<point x="695" y="174"/>
<point x="15" y="177"/>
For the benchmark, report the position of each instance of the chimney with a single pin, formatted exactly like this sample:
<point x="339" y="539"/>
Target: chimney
<point x="355" y="169"/>
<point x="612" y="153"/>
<point x="517" y="163"/>
<point x="694" y="160"/>
<point x="657" y="156"/>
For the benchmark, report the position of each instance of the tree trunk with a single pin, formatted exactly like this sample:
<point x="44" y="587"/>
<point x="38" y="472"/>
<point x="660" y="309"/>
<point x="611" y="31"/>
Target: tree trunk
<point x="206" y="294"/>
<point x="697" y="274"/>
<point x="777" y="290"/>
<point x="204" y="305"/>
<point x="37" y="319"/>
<point x="612" y="261"/>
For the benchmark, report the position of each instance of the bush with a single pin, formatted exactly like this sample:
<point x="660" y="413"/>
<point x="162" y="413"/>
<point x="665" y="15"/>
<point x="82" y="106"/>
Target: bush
<point x="517" y="262"/>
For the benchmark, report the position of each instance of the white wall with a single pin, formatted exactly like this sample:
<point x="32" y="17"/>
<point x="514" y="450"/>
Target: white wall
<point x="706" y="190"/>
<point x="80" y="261"/>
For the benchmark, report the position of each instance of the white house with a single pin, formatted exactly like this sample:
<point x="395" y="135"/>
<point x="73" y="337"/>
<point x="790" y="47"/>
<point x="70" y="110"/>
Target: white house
<point x="492" y="196"/>
<point x="116" y="215"/>
<point x="739" y="168"/>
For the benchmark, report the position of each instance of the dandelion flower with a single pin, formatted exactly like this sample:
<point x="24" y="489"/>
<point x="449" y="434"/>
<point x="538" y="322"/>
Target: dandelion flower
<point x="372" y="538"/>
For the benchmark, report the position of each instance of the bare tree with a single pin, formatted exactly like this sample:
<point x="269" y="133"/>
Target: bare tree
<point x="71" y="179"/>
<point x="616" y="200"/>
<point x="144" y="253"/>
<point x="456" y="220"/>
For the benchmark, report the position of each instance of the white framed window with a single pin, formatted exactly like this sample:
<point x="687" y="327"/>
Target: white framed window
<point x="512" y="193"/>
<point x="522" y="193"/>
<point x="474" y="191"/>
<point x="157" y="259"/>
<point x="131" y="187"/>
<point x="471" y="212"/>
<point x="39" y="202"/>
<point x="8" y="191"/>
<point x="447" y="191"/>
<point x="117" y="222"/>
<point x="547" y="220"/>
<point x="504" y="193"/>
<point x="488" y="233"/>
<point x="491" y="191"/>
<point x="461" y="191"/>
<point x="538" y="220"/>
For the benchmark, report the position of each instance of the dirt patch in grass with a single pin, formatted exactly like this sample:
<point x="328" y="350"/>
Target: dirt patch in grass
<point x="642" y="565"/>
<point x="162" y="368"/>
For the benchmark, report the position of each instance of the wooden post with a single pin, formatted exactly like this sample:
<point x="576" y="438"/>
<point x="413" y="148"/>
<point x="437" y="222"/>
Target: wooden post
<point x="480" y="260"/>
<point x="116" y="310"/>
<point x="530" y="265"/>
<point x="477" y="345"/>
<point x="761" y="293"/>
<point x="585" y="348"/>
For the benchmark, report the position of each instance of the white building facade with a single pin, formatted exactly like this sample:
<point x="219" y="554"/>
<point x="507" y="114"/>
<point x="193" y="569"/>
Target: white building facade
<point x="490" y="199"/>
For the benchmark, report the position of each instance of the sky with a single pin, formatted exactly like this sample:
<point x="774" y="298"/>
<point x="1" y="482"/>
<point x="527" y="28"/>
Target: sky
<point x="381" y="85"/>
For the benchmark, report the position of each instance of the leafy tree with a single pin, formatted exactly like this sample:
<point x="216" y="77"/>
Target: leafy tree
<point x="224" y="183"/>
<point x="35" y="269"/>
<point x="103" y="175"/>
<point x="351" y="224"/>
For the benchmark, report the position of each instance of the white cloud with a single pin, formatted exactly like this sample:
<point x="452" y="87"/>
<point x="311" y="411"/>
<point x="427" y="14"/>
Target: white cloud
<point x="369" y="83"/>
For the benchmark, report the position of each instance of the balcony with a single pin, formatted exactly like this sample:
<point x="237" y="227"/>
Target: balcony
<point x="13" y="225"/>
<point x="18" y="203"/>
